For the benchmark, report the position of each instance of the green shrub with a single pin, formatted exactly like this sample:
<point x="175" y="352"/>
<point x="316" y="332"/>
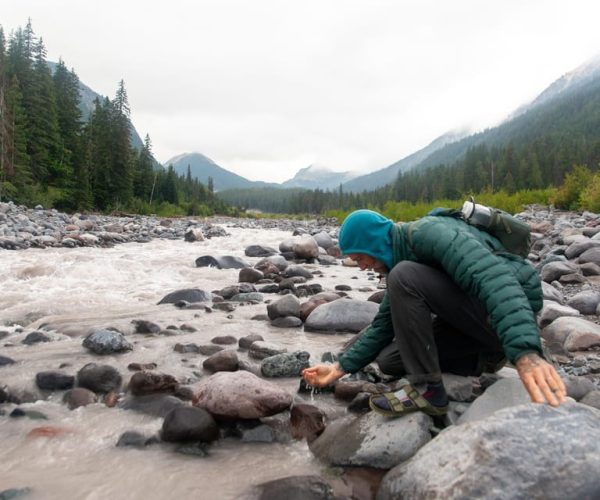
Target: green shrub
<point x="569" y="194"/>
<point x="590" y="196"/>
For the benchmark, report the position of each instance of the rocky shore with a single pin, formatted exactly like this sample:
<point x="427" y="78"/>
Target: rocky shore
<point x="494" y="443"/>
<point x="22" y="227"/>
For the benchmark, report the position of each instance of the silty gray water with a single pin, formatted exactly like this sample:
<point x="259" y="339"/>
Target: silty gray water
<point x="68" y="291"/>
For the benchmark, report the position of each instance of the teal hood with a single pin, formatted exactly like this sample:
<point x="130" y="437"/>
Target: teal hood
<point x="370" y="233"/>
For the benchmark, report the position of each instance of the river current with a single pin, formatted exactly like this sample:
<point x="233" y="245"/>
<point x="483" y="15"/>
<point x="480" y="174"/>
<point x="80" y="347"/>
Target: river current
<point x="68" y="291"/>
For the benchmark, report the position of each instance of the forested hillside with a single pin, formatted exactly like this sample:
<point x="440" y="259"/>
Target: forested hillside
<point x="534" y="150"/>
<point x="50" y="155"/>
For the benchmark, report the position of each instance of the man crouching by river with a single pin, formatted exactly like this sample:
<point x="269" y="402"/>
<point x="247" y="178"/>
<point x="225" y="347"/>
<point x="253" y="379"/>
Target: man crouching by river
<point x="456" y="302"/>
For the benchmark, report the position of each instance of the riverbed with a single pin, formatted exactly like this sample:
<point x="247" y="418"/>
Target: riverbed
<point x="66" y="292"/>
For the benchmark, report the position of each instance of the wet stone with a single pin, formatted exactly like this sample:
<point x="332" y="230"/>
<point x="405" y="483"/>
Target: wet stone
<point x="287" y="322"/>
<point x="306" y="422"/>
<point x="157" y="405"/>
<point x="261" y="349"/>
<point x="209" y="349"/>
<point x="15" y="493"/>
<point x="224" y="306"/>
<point x="32" y="414"/>
<point x="5" y="361"/>
<point x="285" y="364"/>
<point x="248" y="297"/>
<point x="79" y="396"/>
<point x="36" y="338"/>
<point x="259" y="251"/>
<point x="99" y="378"/>
<point x="54" y="381"/>
<point x="136" y="367"/>
<point x="294" y="487"/>
<point x="106" y="342"/>
<point x="224" y="340"/>
<point x="241" y="395"/>
<point x="143" y="326"/>
<point x="250" y="275"/>
<point x="289" y="305"/>
<point x="184" y="327"/>
<point x="143" y="383"/>
<point x="186" y="348"/>
<point x="188" y="295"/>
<point x="199" y="450"/>
<point x="135" y="439"/>
<point x="248" y="340"/>
<point x="186" y="423"/>
<point x="224" y="361"/>
<point x="221" y="262"/>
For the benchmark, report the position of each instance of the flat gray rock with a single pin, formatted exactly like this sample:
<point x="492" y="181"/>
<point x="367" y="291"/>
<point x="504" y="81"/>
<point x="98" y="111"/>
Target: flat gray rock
<point x="372" y="440"/>
<point x="529" y="451"/>
<point x="346" y="315"/>
<point x="502" y="394"/>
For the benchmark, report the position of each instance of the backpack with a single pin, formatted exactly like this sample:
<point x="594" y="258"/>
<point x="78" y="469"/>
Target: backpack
<point x="514" y="234"/>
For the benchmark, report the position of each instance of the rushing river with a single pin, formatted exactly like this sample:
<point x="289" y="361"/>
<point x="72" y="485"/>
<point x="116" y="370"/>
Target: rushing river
<point x="69" y="291"/>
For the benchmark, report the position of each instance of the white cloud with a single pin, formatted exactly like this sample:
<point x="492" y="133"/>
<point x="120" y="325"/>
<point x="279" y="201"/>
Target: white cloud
<point x="270" y="86"/>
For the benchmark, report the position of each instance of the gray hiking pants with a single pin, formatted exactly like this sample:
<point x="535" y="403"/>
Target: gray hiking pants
<point x="438" y="327"/>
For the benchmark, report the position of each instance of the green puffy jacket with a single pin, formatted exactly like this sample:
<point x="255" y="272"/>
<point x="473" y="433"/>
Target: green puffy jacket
<point x="506" y="284"/>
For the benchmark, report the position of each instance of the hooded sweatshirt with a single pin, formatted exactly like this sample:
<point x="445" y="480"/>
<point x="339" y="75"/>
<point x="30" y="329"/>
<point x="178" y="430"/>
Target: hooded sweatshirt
<point x="370" y="233"/>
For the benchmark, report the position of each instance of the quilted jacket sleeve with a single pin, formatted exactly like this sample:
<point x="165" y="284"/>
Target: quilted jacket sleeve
<point x="378" y="335"/>
<point x="477" y="270"/>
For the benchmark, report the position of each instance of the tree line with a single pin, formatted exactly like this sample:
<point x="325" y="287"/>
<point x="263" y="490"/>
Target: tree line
<point x="51" y="154"/>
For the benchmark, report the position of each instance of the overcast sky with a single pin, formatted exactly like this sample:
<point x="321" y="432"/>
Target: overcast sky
<point x="265" y="87"/>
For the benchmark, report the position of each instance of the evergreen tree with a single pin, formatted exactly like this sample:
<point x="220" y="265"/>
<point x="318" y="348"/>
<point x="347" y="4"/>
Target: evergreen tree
<point x="66" y="88"/>
<point x="121" y="165"/>
<point x="144" y="172"/>
<point x="43" y="141"/>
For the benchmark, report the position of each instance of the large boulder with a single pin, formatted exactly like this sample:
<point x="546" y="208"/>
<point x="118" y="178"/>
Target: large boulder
<point x="528" y="451"/>
<point x="221" y="262"/>
<point x="241" y="395"/>
<point x="372" y="440"/>
<point x="348" y="315"/>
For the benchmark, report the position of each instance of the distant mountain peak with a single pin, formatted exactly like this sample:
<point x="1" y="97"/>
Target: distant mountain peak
<point x="318" y="176"/>
<point x="193" y="155"/>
